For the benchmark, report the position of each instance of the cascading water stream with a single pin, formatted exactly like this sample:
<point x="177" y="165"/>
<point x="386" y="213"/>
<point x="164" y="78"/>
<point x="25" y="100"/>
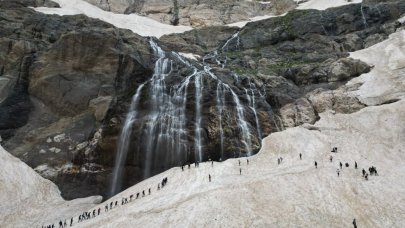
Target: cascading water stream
<point x="123" y="144"/>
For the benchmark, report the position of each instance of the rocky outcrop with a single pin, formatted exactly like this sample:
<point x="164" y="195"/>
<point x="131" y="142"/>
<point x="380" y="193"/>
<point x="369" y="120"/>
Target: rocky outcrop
<point x="59" y="77"/>
<point x="196" y="13"/>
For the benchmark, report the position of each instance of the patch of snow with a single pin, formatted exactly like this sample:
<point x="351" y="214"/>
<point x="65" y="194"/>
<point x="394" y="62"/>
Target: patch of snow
<point x="324" y="4"/>
<point x="242" y="24"/>
<point x="141" y="25"/>
<point x="190" y="56"/>
<point x="386" y="81"/>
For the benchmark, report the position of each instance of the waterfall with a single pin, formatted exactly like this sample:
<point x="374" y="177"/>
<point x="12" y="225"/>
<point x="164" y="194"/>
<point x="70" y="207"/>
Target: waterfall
<point x="124" y="143"/>
<point x="363" y="16"/>
<point x="198" y="96"/>
<point x="163" y="126"/>
<point x="220" y="108"/>
<point x="250" y="96"/>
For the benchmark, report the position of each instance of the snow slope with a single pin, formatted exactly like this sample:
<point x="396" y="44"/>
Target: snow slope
<point x="28" y="200"/>
<point x="295" y="193"/>
<point x="324" y="4"/>
<point x="141" y="25"/>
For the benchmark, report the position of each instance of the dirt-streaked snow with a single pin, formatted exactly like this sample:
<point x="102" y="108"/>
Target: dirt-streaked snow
<point x="141" y="25"/>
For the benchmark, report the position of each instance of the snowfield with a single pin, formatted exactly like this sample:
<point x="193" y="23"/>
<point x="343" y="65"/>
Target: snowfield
<point x="324" y="4"/>
<point x="141" y="25"/>
<point x="292" y="194"/>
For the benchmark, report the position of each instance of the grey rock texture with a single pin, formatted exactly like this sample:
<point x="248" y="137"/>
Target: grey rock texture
<point x="201" y="13"/>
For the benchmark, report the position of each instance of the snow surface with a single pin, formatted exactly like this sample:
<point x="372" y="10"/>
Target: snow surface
<point x="324" y="4"/>
<point x="141" y="25"/>
<point x="28" y="200"/>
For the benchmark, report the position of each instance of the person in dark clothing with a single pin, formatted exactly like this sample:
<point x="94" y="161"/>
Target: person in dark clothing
<point x="130" y="198"/>
<point x="106" y="208"/>
<point x="111" y="205"/>
<point x="149" y="191"/>
<point x="143" y="193"/>
<point x="347" y="164"/>
<point x="60" y="224"/>
<point x="182" y="168"/>
<point x="212" y="163"/>
<point x="364" y="172"/>
<point x="354" y="223"/>
<point x="209" y="177"/>
<point x="355" y="165"/>
<point x="341" y="165"/>
<point x="98" y="212"/>
<point x="366" y="176"/>
<point x="247" y="161"/>
<point x="94" y="213"/>
<point x="338" y="172"/>
<point x="71" y="221"/>
<point x="240" y="171"/>
<point x="300" y="156"/>
<point x="137" y="195"/>
<point x="159" y="186"/>
<point x="188" y="166"/>
<point x="116" y="203"/>
<point x="331" y="158"/>
<point x="316" y="164"/>
<point x="80" y="218"/>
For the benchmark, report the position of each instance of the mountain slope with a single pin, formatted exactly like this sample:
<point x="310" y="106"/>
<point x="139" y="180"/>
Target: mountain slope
<point x="293" y="193"/>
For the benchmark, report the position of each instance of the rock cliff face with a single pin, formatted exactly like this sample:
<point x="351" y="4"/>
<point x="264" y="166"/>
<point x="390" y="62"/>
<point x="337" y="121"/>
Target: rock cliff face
<point x="196" y="13"/>
<point x="66" y="84"/>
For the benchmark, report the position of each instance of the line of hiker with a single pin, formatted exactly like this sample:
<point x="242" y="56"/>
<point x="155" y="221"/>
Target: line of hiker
<point x="109" y="206"/>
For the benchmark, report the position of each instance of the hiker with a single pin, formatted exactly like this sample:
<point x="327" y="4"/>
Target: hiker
<point x="159" y="186"/>
<point x="188" y="165"/>
<point x="60" y="224"/>
<point x="338" y="172"/>
<point x="71" y="221"/>
<point x="366" y="176"/>
<point x="94" y="213"/>
<point x="355" y="165"/>
<point x="316" y="165"/>
<point x="240" y="171"/>
<point x="116" y="203"/>
<point x="341" y="165"/>
<point x="331" y="158"/>
<point x="106" y="208"/>
<point x="209" y="177"/>
<point x="111" y="204"/>
<point x="212" y="163"/>
<point x="122" y="201"/>
<point x="182" y="168"/>
<point x="98" y="212"/>
<point x="149" y="191"/>
<point x="130" y="198"/>
<point x="300" y="156"/>
<point x="80" y="218"/>
<point x="354" y="223"/>
<point x="137" y="195"/>
<point x="239" y="162"/>
<point x="364" y="172"/>
<point x="247" y="161"/>
<point x="65" y="224"/>
<point x="143" y="193"/>
<point x="347" y="164"/>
